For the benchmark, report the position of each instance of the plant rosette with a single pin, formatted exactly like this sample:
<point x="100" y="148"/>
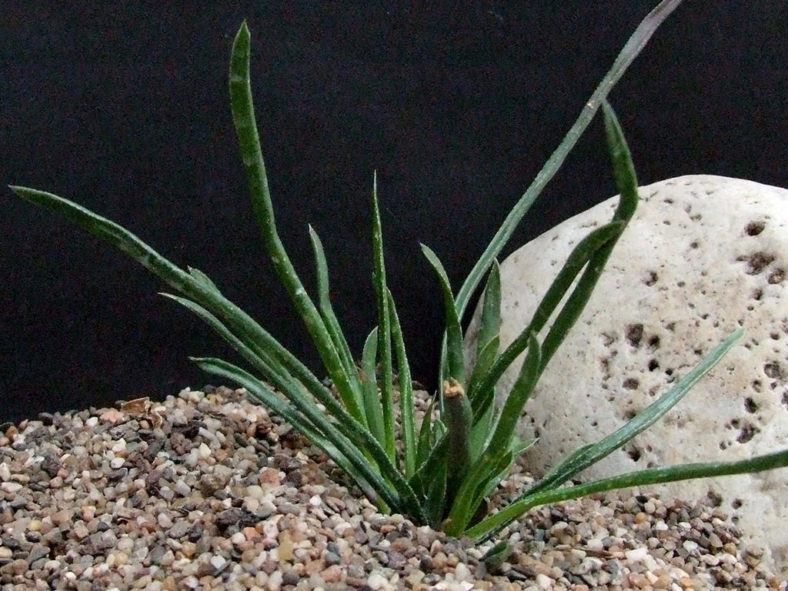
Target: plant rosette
<point x="442" y="471"/>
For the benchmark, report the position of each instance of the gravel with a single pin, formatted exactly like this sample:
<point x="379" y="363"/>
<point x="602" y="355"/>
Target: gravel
<point x="206" y="491"/>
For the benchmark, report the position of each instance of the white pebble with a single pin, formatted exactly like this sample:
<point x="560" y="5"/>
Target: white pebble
<point x="690" y="546"/>
<point x="544" y="581"/>
<point x="204" y="451"/>
<point x="182" y="488"/>
<point x="255" y="492"/>
<point x="164" y="520"/>
<point x="461" y="572"/>
<point x="11" y="487"/>
<point x="376" y="580"/>
<point x="637" y="555"/>
<point x="218" y="561"/>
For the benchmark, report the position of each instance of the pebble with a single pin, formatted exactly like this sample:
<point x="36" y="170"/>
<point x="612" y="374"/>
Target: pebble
<point x="206" y="491"/>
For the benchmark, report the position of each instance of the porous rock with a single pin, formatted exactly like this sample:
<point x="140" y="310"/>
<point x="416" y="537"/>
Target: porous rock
<point x="703" y="256"/>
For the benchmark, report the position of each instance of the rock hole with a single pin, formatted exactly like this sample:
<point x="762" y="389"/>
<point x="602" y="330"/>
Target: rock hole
<point x="694" y="244"/>
<point x="736" y="503"/>
<point x="747" y="432"/>
<point x="631" y="384"/>
<point x="757" y="294"/>
<point x="776" y="277"/>
<point x="653" y="364"/>
<point x="772" y="369"/>
<point x="715" y="499"/>
<point x="634" y="332"/>
<point x="634" y="454"/>
<point x="750" y="405"/>
<point x="756" y="262"/>
<point x="651" y="278"/>
<point x="653" y="342"/>
<point x="756" y="385"/>
<point x="754" y="228"/>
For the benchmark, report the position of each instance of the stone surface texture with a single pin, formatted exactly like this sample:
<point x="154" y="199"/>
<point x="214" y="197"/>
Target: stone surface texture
<point x="703" y="256"/>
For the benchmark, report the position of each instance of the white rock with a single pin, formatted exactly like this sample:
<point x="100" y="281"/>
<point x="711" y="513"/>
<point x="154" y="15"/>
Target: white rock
<point x="703" y="256"/>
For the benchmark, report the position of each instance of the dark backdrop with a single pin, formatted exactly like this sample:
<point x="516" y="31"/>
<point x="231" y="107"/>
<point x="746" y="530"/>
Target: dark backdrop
<point x="123" y="108"/>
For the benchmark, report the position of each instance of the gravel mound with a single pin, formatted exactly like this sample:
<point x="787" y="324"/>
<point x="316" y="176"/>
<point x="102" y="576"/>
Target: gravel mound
<point x="206" y="491"/>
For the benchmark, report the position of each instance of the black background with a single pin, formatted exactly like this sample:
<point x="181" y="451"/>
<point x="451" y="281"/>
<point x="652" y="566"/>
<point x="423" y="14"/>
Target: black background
<point x="122" y="106"/>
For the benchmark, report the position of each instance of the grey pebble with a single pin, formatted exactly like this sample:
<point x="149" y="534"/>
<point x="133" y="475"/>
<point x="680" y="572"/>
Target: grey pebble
<point x="185" y="507"/>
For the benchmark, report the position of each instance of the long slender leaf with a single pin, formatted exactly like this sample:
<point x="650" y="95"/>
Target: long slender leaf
<point x="490" y="322"/>
<point x="194" y="285"/>
<point x="627" y="55"/>
<point x="590" y="454"/>
<point x="592" y="252"/>
<point x="577" y="260"/>
<point x="407" y="412"/>
<point x="626" y="181"/>
<point x="494" y="523"/>
<point x="371" y="399"/>
<point x="453" y="330"/>
<point x="327" y="311"/>
<point x="480" y="398"/>
<point x="384" y="325"/>
<point x="249" y="141"/>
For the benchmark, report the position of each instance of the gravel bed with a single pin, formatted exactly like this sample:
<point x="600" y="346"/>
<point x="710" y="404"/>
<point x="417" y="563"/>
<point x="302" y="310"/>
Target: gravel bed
<point x="206" y="491"/>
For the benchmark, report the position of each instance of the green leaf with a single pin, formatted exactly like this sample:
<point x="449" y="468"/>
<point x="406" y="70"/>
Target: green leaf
<point x="577" y="260"/>
<point x="579" y="460"/>
<point x="435" y="498"/>
<point x="371" y="399"/>
<point x="480" y="397"/>
<point x="407" y="412"/>
<point x="327" y="310"/>
<point x="490" y="323"/>
<point x="384" y="325"/>
<point x="427" y="438"/>
<point x="456" y="359"/>
<point x="203" y="278"/>
<point x="515" y="401"/>
<point x="629" y="52"/>
<point x="494" y="523"/>
<point x="623" y="167"/>
<point x="257" y="180"/>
